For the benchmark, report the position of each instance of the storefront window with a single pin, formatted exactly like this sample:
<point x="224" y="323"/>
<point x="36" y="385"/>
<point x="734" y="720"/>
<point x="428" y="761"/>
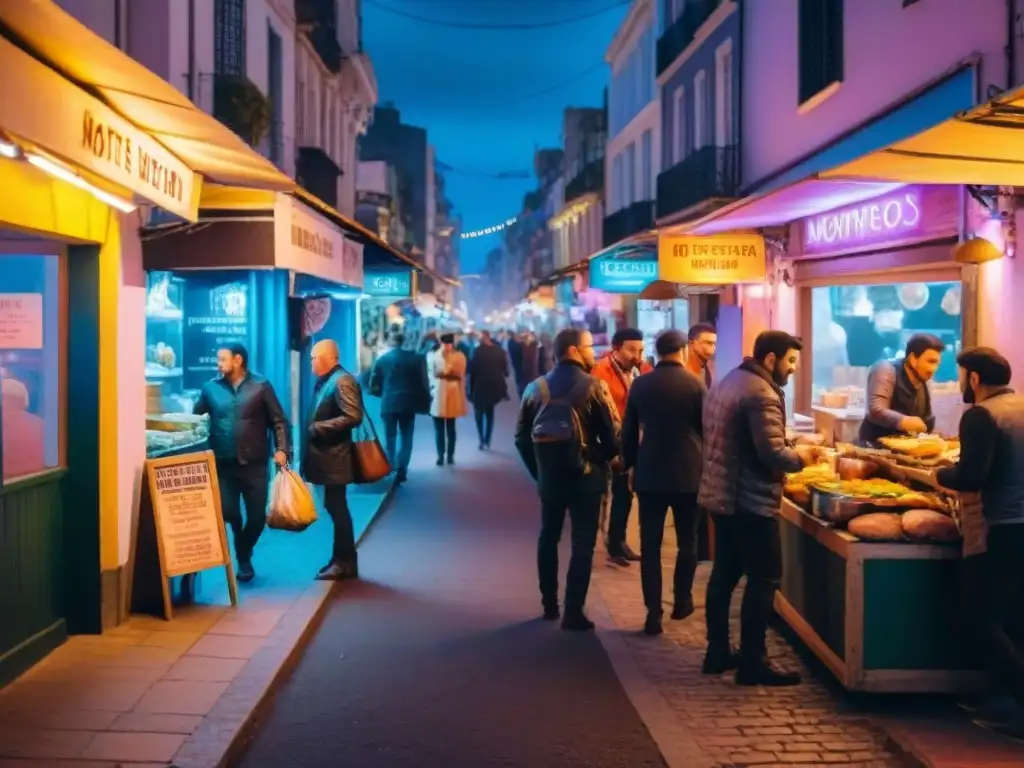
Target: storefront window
<point x="31" y="408"/>
<point x="653" y="317"/>
<point x="855" y="326"/>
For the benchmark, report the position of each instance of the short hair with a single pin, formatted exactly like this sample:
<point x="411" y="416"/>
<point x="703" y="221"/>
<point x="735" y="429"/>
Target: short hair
<point x="235" y="349"/>
<point x="626" y="334"/>
<point x="485" y="335"/>
<point x="992" y="368"/>
<point x="566" y="339"/>
<point x="397" y="338"/>
<point x="920" y="343"/>
<point x="669" y="342"/>
<point x="447" y="338"/>
<point x="776" y="343"/>
<point x="699" y="328"/>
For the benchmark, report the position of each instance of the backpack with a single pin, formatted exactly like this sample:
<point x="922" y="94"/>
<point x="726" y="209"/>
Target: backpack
<point x="557" y="433"/>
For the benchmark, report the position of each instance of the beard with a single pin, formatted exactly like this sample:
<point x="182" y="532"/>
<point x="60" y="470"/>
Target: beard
<point x="780" y="377"/>
<point x="970" y="398"/>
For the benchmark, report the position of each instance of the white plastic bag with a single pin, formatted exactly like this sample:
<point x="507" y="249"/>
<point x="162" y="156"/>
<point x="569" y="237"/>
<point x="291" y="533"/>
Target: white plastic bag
<point x="292" y="507"/>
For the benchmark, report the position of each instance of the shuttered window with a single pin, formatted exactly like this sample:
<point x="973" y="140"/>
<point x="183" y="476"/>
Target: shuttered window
<point x="821" y="46"/>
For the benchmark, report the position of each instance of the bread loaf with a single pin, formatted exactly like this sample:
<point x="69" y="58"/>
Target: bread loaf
<point x="878" y="526"/>
<point x="929" y="525"/>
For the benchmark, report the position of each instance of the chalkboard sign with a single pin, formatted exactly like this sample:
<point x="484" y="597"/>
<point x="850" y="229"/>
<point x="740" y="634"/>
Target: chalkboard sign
<point x="179" y="529"/>
<point x="216" y="314"/>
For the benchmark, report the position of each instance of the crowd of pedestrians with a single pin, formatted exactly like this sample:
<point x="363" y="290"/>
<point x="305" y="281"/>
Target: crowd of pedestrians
<point x="595" y="431"/>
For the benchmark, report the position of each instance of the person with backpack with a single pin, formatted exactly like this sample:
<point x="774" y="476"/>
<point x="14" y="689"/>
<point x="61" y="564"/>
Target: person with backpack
<point x="567" y="437"/>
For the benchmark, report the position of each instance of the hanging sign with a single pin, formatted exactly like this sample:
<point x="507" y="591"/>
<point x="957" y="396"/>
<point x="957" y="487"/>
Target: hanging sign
<point x="179" y="530"/>
<point x="397" y="284"/>
<point x="307" y="242"/>
<point x="21" y="321"/>
<point x="622" y="275"/>
<point x="711" y="260"/>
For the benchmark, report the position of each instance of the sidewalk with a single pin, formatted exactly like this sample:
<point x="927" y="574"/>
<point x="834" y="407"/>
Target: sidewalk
<point x="704" y="722"/>
<point x="158" y="693"/>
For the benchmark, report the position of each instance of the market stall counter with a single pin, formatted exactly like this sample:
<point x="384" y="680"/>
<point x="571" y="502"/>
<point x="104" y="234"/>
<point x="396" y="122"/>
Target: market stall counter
<point x="879" y="609"/>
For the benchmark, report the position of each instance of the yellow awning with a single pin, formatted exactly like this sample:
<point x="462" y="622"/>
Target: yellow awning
<point x="982" y="146"/>
<point x="146" y="100"/>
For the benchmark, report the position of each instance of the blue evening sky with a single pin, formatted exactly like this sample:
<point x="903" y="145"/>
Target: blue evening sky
<point x="471" y="88"/>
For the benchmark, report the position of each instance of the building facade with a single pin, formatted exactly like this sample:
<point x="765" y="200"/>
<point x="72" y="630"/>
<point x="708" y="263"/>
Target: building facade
<point x="378" y="200"/>
<point x="578" y="222"/>
<point x="699" y="83"/>
<point x="633" y="156"/>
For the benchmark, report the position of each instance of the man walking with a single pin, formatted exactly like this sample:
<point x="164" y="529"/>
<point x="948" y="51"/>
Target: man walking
<point x="746" y="455"/>
<point x="327" y="456"/>
<point x="243" y="409"/>
<point x="665" y="407"/>
<point x="617" y="370"/>
<point x="488" y="385"/>
<point x="566" y="437"/>
<point x="399" y="379"/>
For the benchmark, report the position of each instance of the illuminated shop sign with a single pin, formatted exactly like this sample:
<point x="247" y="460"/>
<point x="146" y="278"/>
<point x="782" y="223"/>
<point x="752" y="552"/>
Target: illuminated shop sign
<point x="895" y="217"/>
<point x="622" y="275"/>
<point x="395" y="284"/>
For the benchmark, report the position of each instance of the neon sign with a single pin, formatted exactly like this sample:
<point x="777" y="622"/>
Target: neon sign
<point x="622" y="275"/>
<point x="884" y="219"/>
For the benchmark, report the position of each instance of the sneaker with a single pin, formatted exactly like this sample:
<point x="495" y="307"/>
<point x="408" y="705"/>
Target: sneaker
<point x="652" y="627"/>
<point x="766" y="674"/>
<point x="719" y="660"/>
<point x="246" y="572"/>
<point x="577" y="622"/>
<point x="617" y="558"/>
<point x="629" y="554"/>
<point x="451" y="459"/>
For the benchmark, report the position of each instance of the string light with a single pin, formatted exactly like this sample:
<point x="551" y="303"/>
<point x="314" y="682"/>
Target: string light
<point x="488" y="230"/>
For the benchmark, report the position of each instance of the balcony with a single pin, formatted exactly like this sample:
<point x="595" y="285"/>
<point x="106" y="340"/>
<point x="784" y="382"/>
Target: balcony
<point x="683" y="30"/>
<point x="589" y="179"/>
<point x="628" y="221"/>
<point x="705" y="174"/>
<point x="318" y="174"/>
<point x="318" y="21"/>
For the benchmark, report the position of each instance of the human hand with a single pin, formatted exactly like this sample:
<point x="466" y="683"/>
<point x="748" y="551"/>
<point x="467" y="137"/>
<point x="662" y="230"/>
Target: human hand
<point x="808" y="438"/>
<point x="281" y="458"/>
<point x="809" y="454"/>
<point x="912" y="425"/>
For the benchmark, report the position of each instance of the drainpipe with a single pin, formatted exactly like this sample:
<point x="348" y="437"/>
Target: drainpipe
<point x="118" y="42"/>
<point x="1011" y="43"/>
<point x="739" y="112"/>
<point x="191" y="85"/>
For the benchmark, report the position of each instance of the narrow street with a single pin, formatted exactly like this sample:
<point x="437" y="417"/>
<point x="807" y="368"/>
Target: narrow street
<point x="439" y="657"/>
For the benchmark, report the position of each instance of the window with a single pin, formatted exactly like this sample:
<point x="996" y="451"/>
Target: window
<point x="31" y="407"/>
<point x="631" y="175"/>
<point x="229" y="37"/>
<point x="275" y="88"/>
<point x="646" y="183"/>
<point x="820" y="41"/>
<point x="700" y="110"/>
<point x="617" y="183"/>
<point x="679" y="145"/>
<point x="723" y="95"/>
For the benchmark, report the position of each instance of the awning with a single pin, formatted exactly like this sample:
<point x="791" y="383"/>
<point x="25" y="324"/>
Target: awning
<point x="983" y="146"/>
<point x="831" y="178"/>
<point x="143" y="98"/>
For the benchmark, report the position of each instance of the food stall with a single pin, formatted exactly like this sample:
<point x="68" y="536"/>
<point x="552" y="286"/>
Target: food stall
<point x="871" y="569"/>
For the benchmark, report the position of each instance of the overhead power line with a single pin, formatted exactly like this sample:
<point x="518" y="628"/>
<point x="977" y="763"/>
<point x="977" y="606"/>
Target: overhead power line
<point x="522" y="26"/>
<point x="550" y="89"/>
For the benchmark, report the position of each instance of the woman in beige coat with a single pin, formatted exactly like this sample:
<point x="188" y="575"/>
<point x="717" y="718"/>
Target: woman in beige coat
<point x="448" y="395"/>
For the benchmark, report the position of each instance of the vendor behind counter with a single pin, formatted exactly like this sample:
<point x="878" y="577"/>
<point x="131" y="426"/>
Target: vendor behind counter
<point x="898" y="401"/>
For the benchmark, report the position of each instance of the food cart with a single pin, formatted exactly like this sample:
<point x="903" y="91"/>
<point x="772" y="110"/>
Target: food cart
<point x="881" y="614"/>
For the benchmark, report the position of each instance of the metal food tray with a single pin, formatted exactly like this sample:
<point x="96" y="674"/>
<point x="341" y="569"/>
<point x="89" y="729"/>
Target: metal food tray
<point x="836" y="508"/>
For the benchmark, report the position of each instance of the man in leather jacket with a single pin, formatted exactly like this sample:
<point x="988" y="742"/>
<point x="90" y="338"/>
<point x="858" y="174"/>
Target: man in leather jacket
<point x="243" y="409"/>
<point x="579" y="492"/>
<point x="327" y="454"/>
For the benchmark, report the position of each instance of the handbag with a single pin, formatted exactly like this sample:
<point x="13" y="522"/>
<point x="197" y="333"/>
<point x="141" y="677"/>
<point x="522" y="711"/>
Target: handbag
<point x="369" y="462"/>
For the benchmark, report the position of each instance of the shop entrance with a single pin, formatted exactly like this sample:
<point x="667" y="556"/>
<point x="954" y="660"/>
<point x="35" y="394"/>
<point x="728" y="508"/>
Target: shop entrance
<point x="49" y="447"/>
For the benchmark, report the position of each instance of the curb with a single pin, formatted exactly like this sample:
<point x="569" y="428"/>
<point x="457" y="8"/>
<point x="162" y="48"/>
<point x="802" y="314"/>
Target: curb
<point x="225" y="732"/>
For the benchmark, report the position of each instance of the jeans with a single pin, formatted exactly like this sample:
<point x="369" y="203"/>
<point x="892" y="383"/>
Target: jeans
<point x="745" y="544"/>
<point x="336" y="504"/>
<point x="484" y="424"/>
<point x="992" y="587"/>
<point x="444" y="437"/>
<point x="243" y="483"/>
<point x="654" y="509"/>
<point x="584" y="510"/>
<point x="399" y="425"/>
<point x="618" y="517"/>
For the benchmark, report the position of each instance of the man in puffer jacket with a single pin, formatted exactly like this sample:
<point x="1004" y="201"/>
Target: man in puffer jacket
<point x="746" y="455"/>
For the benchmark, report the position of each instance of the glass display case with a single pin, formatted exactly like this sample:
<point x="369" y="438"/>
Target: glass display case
<point x="170" y="425"/>
<point x="653" y="317"/>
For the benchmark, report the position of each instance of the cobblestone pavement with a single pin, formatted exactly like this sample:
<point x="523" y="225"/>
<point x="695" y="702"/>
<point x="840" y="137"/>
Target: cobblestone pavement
<point x="810" y="724"/>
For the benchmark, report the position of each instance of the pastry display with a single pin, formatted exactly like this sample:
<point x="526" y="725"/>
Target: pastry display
<point x="877" y="526"/>
<point x="920" y="446"/>
<point x="929" y="525"/>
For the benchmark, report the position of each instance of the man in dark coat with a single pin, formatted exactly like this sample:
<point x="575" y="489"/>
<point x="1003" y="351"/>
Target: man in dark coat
<point x="327" y="459"/>
<point x="243" y="410"/>
<point x="488" y="385"/>
<point x="665" y="407"/>
<point x="399" y="379"/>
<point x="746" y="456"/>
